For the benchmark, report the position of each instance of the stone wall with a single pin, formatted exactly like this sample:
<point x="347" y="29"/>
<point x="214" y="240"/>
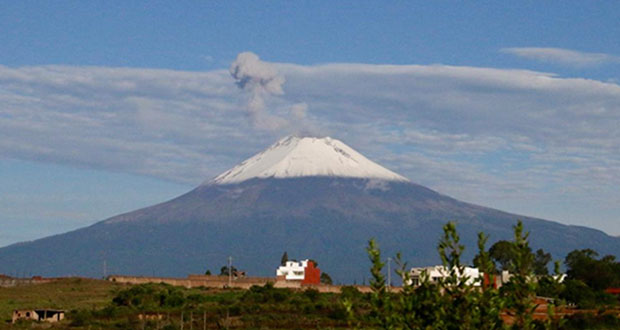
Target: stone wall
<point x="211" y="281"/>
<point x="7" y="282"/>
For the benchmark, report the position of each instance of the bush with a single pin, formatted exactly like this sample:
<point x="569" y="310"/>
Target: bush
<point x="577" y="292"/>
<point x="151" y="297"/>
<point x="80" y="317"/>
<point x="351" y="293"/>
<point x="266" y="294"/>
<point x="590" y="321"/>
<point x="312" y="294"/>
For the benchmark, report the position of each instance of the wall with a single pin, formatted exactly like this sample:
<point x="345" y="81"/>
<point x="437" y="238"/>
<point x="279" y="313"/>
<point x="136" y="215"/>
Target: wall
<point x="312" y="274"/>
<point x="7" y="282"/>
<point x="210" y="281"/>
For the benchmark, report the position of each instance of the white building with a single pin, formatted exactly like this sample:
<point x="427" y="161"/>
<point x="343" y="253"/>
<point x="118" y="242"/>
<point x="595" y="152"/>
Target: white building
<point x="435" y="273"/>
<point x="293" y="270"/>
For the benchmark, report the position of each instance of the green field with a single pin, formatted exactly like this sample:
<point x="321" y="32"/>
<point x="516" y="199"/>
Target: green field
<point x="69" y="293"/>
<point x="98" y="304"/>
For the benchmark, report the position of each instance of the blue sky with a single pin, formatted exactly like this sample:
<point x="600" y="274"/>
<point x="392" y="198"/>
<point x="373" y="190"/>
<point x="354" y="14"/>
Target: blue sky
<point x="106" y="107"/>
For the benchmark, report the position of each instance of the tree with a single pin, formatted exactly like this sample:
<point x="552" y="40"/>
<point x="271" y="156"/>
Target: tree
<point x="452" y="301"/>
<point x="459" y="298"/>
<point x="224" y="270"/>
<point x="541" y="259"/>
<point x="521" y="290"/>
<point x="208" y="272"/>
<point x="326" y="279"/>
<point x="502" y="253"/>
<point x="381" y="313"/>
<point x="284" y="259"/>
<point x="598" y="274"/>
<point x="490" y="303"/>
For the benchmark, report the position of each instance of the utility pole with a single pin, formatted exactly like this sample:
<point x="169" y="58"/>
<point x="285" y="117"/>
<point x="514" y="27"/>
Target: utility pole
<point x="389" y="260"/>
<point x="229" y="271"/>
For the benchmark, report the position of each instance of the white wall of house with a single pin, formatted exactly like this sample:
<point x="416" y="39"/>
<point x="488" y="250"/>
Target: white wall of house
<point x="293" y="270"/>
<point x="437" y="272"/>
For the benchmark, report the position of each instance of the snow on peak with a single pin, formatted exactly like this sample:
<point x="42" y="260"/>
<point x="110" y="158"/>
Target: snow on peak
<point x="295" y="156"/>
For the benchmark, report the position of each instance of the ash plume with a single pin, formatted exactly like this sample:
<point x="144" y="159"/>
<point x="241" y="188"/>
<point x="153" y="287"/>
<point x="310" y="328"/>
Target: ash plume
<point x="260" y="80"/>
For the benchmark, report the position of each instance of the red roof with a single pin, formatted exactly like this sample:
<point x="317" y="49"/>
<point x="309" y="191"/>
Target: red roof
<point x="613" y="290"/>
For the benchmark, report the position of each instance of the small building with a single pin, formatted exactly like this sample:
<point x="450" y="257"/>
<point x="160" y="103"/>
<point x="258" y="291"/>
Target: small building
<point x="41" y="315"/>
<point x="304" y="271"/>
<point x="435" y="273"/>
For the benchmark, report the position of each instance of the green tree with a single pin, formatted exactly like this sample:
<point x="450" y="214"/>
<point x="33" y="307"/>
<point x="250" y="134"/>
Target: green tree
<point x="502" y="253"/>
<point x="490" y="303"/>
<point x="452" y="302"/>
<point x="458" y="294"/>
<point x="326" y="279"/>
<point x="597" y="274"/>
<point x="588" y="277"/>
<point x="381" y="313"/>
<point x="541" y="260"/>
<point x="520" y="291"/>
<point x="224" y="270"/>
<point x="284" y="259"/>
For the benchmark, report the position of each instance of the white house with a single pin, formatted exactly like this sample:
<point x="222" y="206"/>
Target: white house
<point x="435" y="273"/>
<point x="41" y="315"/>
<point x="296" y="270"/>
<point x="293" y="270"/>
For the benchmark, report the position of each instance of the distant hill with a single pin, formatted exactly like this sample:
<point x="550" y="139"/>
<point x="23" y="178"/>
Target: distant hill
<point x="281" y="202"/>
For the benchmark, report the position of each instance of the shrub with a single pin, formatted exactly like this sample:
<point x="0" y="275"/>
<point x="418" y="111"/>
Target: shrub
<point x="312" y="294"/>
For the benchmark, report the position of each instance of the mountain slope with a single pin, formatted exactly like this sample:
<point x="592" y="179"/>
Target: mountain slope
<point x="328" y="218"/>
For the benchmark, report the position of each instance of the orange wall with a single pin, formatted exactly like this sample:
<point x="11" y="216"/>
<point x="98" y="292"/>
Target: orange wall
<point x="312" y="275"/>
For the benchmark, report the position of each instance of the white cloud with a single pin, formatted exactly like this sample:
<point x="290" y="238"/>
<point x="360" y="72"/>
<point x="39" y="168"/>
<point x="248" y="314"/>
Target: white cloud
<point x="485" y="135"/>
<point x="562" y="56"/>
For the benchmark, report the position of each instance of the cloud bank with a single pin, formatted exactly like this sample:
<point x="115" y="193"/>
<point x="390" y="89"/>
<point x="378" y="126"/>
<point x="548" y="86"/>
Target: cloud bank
<point x="562" y="56"/>
<point x="484" y="135"/>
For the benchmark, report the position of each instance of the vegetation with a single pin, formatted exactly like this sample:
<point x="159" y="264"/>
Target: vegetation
<point x="326" y="279"/>
<point x="97" y="304"/>
<point x="224" y="270"/>
<point x="503" y="255"/>
<point x="588" y="277"/>
<point x="446" y="303"/>
<point x="68" y="294"/>
<point x="284" y="259"/>
<point x="452" y="303"/>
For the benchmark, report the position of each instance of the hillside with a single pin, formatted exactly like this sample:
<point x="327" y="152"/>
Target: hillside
<point x="284" y="204"/>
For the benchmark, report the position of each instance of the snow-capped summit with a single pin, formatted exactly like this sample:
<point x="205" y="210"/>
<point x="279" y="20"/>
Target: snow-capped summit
<point x="306" y="156"/>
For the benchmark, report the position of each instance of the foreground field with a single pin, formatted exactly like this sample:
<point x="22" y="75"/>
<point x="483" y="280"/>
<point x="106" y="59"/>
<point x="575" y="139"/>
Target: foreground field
<point x="68" y="294"/>
<point x="97" y="304"/>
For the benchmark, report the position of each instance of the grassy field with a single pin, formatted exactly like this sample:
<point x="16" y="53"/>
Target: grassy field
<point x="98" y="304"/>
<point x="68" y="294"/>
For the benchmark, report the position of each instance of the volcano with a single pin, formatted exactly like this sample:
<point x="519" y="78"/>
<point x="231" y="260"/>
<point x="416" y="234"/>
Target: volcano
<point x="311" y="197"/>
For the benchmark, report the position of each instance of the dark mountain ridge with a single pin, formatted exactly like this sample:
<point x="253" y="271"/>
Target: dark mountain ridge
<point x="329" y="219"/>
